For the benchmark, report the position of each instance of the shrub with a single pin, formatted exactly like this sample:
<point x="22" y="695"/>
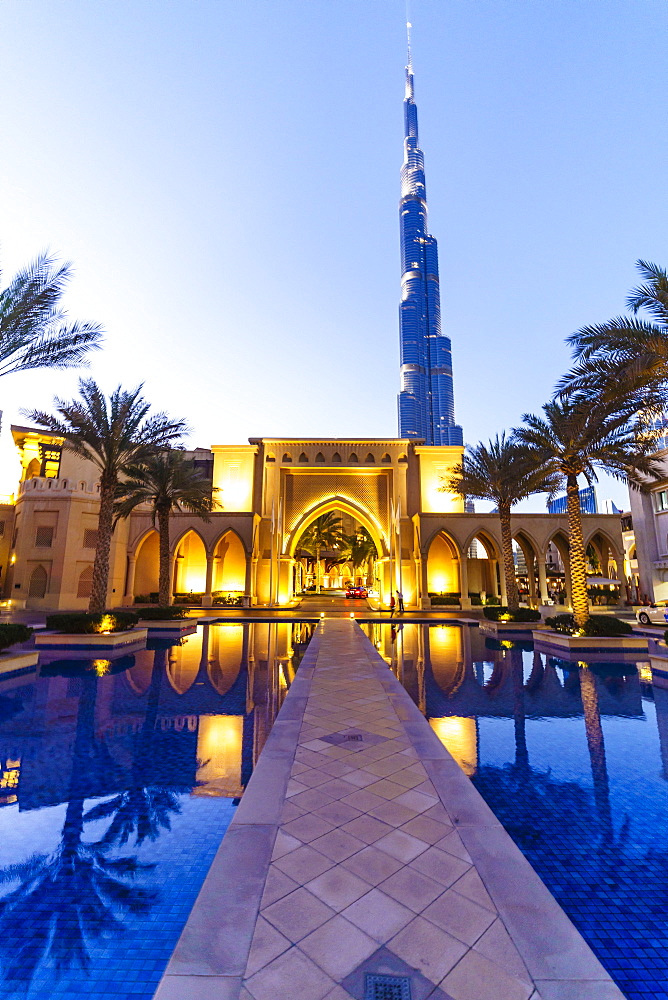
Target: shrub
<point x="228" y="600"/>
<point x="170" y="613"/>
<point x="495" y="614"/>
<point x="11" y="634"/>
<point x="442" y="599"/>
<point x="598" y="626"/>
<point x="85" y="623"/>
<point x="475" y="599"/>
<point x="492" y="600"/>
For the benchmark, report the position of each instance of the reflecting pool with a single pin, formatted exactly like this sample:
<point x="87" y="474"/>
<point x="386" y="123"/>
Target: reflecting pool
<point x="573" y="759"/>
<point x="118" y="778"/>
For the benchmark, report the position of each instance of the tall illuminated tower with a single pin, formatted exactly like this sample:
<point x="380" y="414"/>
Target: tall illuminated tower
<point x="426" y="400"/>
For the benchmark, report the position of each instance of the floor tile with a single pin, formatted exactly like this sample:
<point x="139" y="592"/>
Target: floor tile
<point x="388" y="789"/>
<point x="337" y="813"/>
<point x="304" y="864"/>
<point x="367" y="829"/>
<point x="338" y="887"/>
<point x="372" y="865"/>
<point x="416" y="800"/>
<point x="428" y="830"/>
<point x="314" y="777"/>
<point x="378" y="915"/>
<point x="277" y="885"/>
<point x="496" y="945"/>
<point x="338" y="947"/>
<point x="401" y="845"/>
<point x="307" y="828"/>
<point x="476" y="978"/>
<point x="459" y="916"/>
<point x="289" y="976"/>
<point x="297" y="914"/>
<point x="283" y="844"/>
<point x="433" y="951"/>
<point x="268" y="944"/>
<point x="471" y="886"/>
<point x="436" y="864"/>
<point x="412" y="889"/>
<point x="312" y="798"/>
<point x="338" y="845"/>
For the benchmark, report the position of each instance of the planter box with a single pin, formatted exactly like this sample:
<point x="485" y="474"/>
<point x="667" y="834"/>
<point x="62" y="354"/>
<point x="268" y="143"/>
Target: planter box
<point x="494" y="628"/>
<point x="96" y="640"/>
<point x="180" y="626"/>
<point x="556" y="640"/>
<point x="9" y="662"/>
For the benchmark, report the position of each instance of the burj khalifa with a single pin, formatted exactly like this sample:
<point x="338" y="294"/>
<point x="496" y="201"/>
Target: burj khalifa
<point x="426" y="400"/>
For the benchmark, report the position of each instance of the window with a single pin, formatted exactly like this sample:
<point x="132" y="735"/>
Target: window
<point x="303" y="457"/>
<point x="320" y="457"/>
<point x="287" y="457"/>
<point x="2" y="528"/>
<point x="50" y="461"/>
<point x="370" y="459"/>
<point x="661" y="500"/>
<point x="38" y="582"/>
<point x="353" y="460"/>
<point x="85" y="582"/>
<point x="44" y="536"/>
<point x="90" y="538"/>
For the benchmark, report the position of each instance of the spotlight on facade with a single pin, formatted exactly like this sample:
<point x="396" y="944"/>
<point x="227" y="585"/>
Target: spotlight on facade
<point x="352" y="614"/>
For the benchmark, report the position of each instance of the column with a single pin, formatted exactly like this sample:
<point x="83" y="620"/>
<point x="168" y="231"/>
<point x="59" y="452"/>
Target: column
<point x="542" y="578"/>
<point x="207" y="598"/>
<point x="248" y="581"/>
<point x="130" y="582"/>
<point x="424" y="601"/>
<point x="464" y="600"/>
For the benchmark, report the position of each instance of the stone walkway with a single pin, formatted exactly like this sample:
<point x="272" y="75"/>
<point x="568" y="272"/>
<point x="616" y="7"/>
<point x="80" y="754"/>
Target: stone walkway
<point x="362" y="863"/>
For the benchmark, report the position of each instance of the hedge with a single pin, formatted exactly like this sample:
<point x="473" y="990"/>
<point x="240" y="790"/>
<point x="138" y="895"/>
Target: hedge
<point x="11" y="634"/>
<point x="598" y="626"/>
<point x="170" y="613"/>
<point x="441" y="599"/>
<point x="85" y="623"/>
<point x="495" y="613"/>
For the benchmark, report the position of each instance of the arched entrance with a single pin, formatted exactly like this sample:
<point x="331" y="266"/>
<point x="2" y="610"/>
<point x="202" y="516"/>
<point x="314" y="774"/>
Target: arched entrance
<point x="443" y="567"/>
<point x="147" y="566"/>
<point x="189" y="565"/>
<point x="229" y="565"/>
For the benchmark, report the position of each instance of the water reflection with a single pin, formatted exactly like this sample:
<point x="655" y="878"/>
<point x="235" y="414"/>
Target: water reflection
<point x="105" y="755"/>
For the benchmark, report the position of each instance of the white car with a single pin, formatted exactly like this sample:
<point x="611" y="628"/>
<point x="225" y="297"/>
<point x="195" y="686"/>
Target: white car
<point x="656" y="614"/>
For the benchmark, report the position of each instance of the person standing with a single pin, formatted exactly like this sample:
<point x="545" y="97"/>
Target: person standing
<point x="400" y="602"/>
<point x="392" y="604"/>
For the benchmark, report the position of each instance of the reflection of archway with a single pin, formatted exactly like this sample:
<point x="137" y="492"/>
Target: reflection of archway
<point x="443" y="565"/>
<point x="225" y="655"/>
<point x="229" y="564"/>
<point x="183" y="662"/>
<point x="147" y="566"/>
<point x="190" y="565"/>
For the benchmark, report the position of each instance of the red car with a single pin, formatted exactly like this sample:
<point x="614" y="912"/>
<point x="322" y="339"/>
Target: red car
<point x="356" y="592"/>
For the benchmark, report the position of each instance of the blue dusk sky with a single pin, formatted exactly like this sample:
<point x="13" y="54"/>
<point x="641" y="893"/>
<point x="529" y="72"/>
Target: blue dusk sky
<point x="225" y="178"/>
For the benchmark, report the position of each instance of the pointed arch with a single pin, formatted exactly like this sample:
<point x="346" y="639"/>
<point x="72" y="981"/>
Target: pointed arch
<point x="348" y="507"/>
<point x="85" y="582"/>
<point x="189" y="563"/>
<point x="303" y="457"/>
<point x="443" y="564"/>
<point x="229" y="563"/>
<point x="386" y="459"/>
<point x="353" y="459"/>
<point x="287" y="457"/>
<point x="39" y="579"/>
<point x="370" y="459"/>
<point x="491" y="546"/>
<point x="320" y="458"/>
<point x="336" y="458"/>
<point x="147" y="564"/>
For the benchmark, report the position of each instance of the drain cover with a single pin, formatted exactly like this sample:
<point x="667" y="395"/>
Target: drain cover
<point x="387" y="987"/>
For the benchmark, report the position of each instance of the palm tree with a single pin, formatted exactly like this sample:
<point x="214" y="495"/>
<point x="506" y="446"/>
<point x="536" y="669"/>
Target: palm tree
<point x="361" y="550"/>
<point x="168" y="481"/>
<point x="504" y="472"/>
<point x="576" y="436"/>
<point x="115" y="434"/>
<point x="627" y="353"/>
<point x="34" y="329"/>
<point x="326" y="532"/>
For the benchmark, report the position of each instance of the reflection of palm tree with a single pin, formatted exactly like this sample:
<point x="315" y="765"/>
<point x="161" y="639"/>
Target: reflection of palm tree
<point x="519" y="715"/>
<point x="76" y="894"/>
<point x="596" y="746"/>
<point x="145" y="808"/>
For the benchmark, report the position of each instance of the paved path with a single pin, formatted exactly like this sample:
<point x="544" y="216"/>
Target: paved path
<point x="360" y="851"/>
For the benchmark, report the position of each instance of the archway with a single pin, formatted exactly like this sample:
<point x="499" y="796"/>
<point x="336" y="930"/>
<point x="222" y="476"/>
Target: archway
<point x="229" y="564"/>
<point x="557" y="569"/>
<point x="443" y="576"/>
<point x="190" y="565"/>
<point x="525" y="552"/>
<point x="605" y="570"/>
<point x="486" y="581"/>
<point x="147" y="566"/>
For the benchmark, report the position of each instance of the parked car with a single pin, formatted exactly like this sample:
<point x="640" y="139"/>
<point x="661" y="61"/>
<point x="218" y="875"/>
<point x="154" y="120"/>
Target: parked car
<point x="356" y="592"/>
<point x="656" y="614"/>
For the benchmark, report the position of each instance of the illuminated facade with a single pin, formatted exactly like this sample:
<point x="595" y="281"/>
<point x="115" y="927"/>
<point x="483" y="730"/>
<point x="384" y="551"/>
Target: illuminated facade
<point x="270" y="491"/>
<point x="426" y="400"/>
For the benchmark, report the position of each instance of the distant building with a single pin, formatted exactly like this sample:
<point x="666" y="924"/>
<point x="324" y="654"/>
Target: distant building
<point x="426" y="400"/>
<point x="588" y="503"/>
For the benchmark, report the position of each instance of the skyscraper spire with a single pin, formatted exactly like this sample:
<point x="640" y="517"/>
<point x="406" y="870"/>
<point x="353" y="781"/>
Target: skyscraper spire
<point x="426" y="400"/>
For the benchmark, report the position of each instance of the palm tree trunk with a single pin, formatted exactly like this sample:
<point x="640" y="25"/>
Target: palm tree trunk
<point x="577" y="559"/>
<point x="512" y="594"/>
<point x="317" y="569"/>
<point x="164" y="596"/>
<point x="105" y="527"/>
